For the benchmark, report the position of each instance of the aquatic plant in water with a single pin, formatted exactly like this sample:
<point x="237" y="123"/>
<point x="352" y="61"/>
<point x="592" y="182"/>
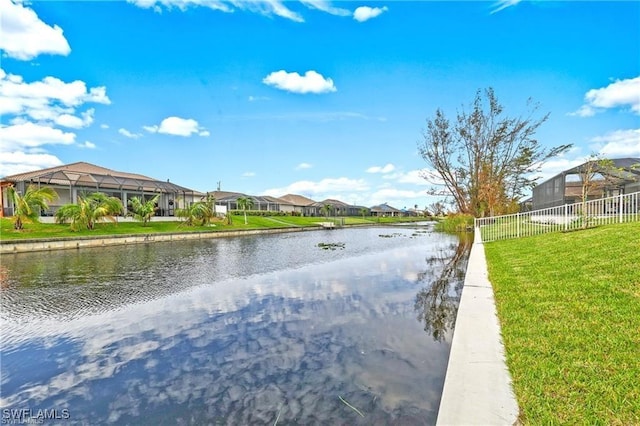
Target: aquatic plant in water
<point x="331" y="246"/>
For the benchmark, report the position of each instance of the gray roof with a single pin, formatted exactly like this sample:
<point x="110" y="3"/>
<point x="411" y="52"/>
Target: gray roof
<point x="232" y="197"/>
<point x="297" y="200"/>
<point x="384" y="208"/>
<point x="626" y="169"/>
<point x="90" y="175"/>
<point x="332" y="202"/>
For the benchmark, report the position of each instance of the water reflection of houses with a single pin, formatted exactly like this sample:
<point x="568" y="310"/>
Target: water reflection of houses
<point x="75" y="179"/>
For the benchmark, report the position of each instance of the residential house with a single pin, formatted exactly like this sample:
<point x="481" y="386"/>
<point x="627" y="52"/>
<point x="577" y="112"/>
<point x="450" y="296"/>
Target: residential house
<point x="338" y="208"/>
<point x="262" y="202"/>
<point x="73" y="180"/>
<point x="621" y="177"/>
<point x="385" y="210"/>
<point x="300" y="204"/>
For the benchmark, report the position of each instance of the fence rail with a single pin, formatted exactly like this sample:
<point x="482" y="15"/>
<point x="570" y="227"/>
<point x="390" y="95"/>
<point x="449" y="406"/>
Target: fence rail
<point x="618" y="209"/>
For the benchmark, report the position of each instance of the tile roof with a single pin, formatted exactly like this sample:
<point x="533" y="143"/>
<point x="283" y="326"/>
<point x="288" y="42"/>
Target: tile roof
<point x="82" y="173"/>
<point x="297" y="200"/>
<point x="334" y="203"/>
<point x="80" y="167"/>
<point x="276" y="200"/>
<point x="386" y="208"/>
<point x="226" y="195"/>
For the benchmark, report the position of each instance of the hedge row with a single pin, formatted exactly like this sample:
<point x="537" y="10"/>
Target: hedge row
<point x="263" y="213"/>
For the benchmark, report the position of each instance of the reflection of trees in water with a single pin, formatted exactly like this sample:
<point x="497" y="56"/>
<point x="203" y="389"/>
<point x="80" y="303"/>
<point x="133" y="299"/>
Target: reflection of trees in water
<point x="437" y="303"/>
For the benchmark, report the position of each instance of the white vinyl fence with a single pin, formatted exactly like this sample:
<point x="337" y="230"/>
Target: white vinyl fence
<point x="618" y="209"/>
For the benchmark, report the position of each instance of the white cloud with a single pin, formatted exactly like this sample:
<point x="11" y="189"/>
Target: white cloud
<point x="619" y="94"/>
<point x="68" y="120"/>
<point x="398" y="198"/>
<point x="414" y="177"/>
<point x="34" y="109"/>
<point x="364" y="13"/>
<point x="572" y="158"/>
<point x="257" y="98"/>
<point x="25" y="36"/>
<point x="178" y="127"/>
<point x="303" y="166"/>
<point x="75" y="122"/>
<point x="325" y="6"/>
<point x="49" y="100"/>
<point x="128" y="134"/>
<point x="619" y="143"/>
<point x="180" y="4"/>
<point x="14" y="162"/>
<point x="31" y="135"/>
<point x="87" y="144"/>
<point x="503" y="4"/>
<point x="21" y="147"/>
<point x="248" y="174"/>
<point x="271" y="7"/>
<point x="384" y="169"/>
<point x="104" y="126"/>
<point x="263" y="7"/>
<point x="311" y="82"/>
<point x="584" y="111"/>
<point x="321" y="188"/>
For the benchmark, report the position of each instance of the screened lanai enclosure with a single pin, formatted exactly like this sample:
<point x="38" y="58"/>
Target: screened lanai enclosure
<point x="603" y="179"/>
<point x="77" y="179"/>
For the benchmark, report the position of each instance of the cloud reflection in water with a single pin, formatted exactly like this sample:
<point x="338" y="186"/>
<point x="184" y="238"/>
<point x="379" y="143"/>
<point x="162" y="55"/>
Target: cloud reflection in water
<point x="227" y="346"/>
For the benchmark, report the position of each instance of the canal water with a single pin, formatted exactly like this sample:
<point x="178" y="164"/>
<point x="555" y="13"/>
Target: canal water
<point x="346" y="326"/>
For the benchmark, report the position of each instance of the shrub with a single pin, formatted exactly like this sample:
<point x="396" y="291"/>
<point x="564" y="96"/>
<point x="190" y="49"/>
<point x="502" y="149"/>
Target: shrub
<point x="456" y="223"/>
<point x="257" y="213"/>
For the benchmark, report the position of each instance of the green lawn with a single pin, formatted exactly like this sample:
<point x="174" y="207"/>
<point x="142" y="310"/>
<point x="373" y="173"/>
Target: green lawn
<point x="42" y="230"/>
<point x="569" y="306"/>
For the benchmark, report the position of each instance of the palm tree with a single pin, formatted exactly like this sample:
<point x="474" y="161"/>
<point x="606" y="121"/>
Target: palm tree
<point x="210" y="211"/>
<point x="326" y="209"/>
<point x="89" y="210"/>
<point x="364" y="211"/>
<point x="199" y="211"/>
<point x="143" y="211"/>
<point x="244" y="203"/>
<point x="27" y="207"/>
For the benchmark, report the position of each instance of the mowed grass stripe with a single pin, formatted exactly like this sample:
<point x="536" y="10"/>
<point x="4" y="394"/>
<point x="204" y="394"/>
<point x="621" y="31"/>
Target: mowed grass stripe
<point x="51" y="230"/>
<point x="569" y="306"/>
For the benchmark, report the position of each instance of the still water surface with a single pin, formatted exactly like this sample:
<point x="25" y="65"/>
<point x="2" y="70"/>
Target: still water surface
<point x="247" y="330"/>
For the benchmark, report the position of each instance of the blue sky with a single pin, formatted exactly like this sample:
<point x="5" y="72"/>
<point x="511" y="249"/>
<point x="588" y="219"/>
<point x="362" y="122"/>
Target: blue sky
<point x="323" y="99"/>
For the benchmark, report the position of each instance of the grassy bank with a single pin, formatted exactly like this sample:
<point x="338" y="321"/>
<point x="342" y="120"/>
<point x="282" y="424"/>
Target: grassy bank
<point x="46" y="230"/>
<point x="569" y="305"/>
<point x="455" y="223"/>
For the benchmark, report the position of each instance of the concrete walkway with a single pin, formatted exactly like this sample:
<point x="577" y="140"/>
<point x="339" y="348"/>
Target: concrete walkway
<point x="477" y="388"/>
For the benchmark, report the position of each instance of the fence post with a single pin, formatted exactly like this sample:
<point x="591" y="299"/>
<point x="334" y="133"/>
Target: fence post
<point x="620" y="207"/>
<point x="518" y="223"/>
<point x="566" y="218"/>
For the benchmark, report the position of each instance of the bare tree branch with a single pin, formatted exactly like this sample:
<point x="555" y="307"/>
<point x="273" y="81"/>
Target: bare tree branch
<point x="485" y="160"/>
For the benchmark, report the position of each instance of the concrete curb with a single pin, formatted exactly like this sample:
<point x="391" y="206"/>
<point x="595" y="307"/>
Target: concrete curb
<point x="477" y="388"/>
<point x="13" y="246"/>
<point x="47" y="244"/>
